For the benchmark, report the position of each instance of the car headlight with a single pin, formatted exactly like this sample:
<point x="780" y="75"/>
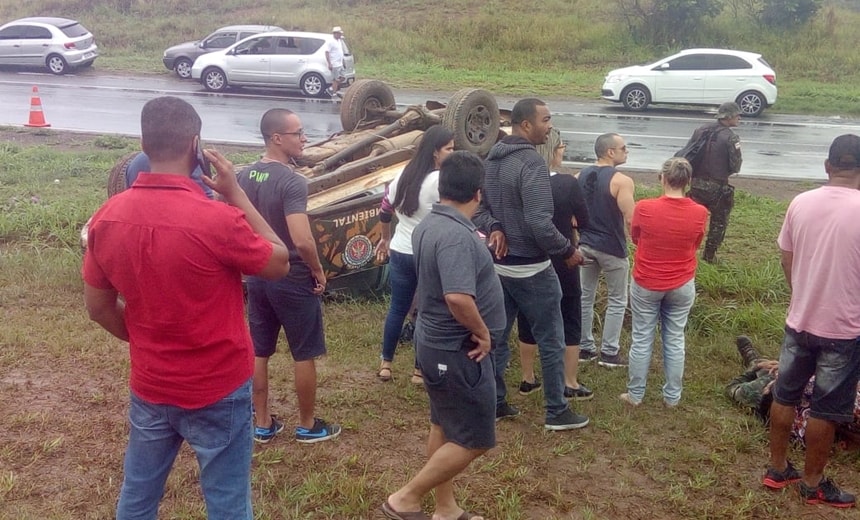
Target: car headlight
<point x="615" y="78"/>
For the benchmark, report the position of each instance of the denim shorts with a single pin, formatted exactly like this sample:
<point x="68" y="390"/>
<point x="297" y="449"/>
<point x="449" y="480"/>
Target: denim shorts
<point x="462" y="396"/>
<point x="836" y="366"/>
<point x="291" y="305"/>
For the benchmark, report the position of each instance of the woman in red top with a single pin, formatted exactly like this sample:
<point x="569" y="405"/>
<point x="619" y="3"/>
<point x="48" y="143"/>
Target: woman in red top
<point x="667" y="231"/>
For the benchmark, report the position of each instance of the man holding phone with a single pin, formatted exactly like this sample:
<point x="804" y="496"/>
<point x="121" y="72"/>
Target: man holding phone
<point x="293" y="302"/>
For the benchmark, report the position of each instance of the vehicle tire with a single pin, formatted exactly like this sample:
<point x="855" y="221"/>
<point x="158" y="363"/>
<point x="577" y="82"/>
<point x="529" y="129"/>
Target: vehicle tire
<point x="362" y="95"/>
<point x="183" y="68"/>
<point x="473" y="116"/>
<point x="752" y="103"/>
<point x="56" y="64"/>
<point x="116" y="178"/>
<point x="635" y="98"/>
<point x="313" y="85"/>
<point x="214" y="79"/>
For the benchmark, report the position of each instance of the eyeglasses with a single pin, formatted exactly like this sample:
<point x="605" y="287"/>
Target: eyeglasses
<point x="300" y="132"/>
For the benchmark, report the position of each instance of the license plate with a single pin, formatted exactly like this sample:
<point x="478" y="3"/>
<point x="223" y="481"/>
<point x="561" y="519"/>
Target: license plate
<point x="89" y="55"/>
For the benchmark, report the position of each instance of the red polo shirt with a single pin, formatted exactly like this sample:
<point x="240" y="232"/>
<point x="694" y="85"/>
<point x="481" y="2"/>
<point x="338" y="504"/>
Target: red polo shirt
<point x="177" y="259"/>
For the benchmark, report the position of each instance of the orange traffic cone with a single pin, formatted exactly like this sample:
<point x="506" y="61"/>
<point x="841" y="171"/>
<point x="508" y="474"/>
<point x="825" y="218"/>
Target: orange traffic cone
<point x="37" y="118"/>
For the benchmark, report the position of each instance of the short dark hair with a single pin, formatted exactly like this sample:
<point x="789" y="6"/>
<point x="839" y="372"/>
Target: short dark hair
<point x="525" y="110"/>
<point x="603" y="144"/>
<point x="460" y="176"/>
<point x="844" y="152"/>
<point x="273" y="121"/>
<point x="167" y="125"/>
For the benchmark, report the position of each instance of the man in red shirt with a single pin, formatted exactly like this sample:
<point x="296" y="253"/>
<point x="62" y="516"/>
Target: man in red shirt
<point x="177" y="259"/>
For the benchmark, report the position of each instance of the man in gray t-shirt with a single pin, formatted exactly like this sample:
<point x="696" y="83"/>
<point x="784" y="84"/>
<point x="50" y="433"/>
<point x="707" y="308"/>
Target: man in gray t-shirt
<point x="460" y="309"/>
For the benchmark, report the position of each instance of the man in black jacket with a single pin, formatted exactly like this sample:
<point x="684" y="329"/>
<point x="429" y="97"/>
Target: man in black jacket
<point x="517" y="201"/>
<point x="710" y="186"/>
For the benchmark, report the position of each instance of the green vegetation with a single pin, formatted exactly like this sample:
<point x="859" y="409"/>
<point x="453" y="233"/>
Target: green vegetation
<point x="555" y="48"/>
<point x="63" y="390"/>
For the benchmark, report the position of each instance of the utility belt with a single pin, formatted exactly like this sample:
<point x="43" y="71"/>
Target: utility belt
<point x="709" y="180"/>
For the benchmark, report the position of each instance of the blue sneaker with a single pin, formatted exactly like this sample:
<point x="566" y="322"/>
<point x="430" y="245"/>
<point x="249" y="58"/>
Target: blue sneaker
<point x="322" y="431"/>
<point x="264" y="435"/>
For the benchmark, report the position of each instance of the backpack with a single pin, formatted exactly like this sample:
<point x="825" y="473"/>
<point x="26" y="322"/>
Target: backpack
<point x="694" y="151"/>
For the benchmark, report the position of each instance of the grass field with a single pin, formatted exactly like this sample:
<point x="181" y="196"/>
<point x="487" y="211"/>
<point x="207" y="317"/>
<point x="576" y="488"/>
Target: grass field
<point x="556" y="47"/>
<point x="63" y="390"/>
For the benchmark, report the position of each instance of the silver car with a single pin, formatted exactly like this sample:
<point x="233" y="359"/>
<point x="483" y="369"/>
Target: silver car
<point x="285" y="59"/>
<point x="180" y="58"/>
<point x="59" y="44"/>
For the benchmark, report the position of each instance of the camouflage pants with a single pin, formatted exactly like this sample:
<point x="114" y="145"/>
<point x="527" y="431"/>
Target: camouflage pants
<point x="719" y="199"/>
<point x="747" y="391"/>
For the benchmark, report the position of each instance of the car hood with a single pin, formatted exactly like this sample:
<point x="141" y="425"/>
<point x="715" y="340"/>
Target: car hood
<point x="182" y="47"/>
<point x="629" y="71"/>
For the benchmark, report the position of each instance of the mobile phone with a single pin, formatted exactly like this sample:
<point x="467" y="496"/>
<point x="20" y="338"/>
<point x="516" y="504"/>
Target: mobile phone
<point x="203" y="162"/>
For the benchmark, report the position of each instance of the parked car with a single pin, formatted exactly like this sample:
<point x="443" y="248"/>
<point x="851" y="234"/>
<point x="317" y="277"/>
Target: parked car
<point x="179" y="58"/>
<point x="285" y="59"/>
<point x="696" y="77"/>
<point x="59" y="44"/>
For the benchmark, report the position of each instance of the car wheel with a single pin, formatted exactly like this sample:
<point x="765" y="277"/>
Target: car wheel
<point x="473" y="116"/>
<point x="363" y="99"/>
<point x="313" y="85"/>
<point x="56" y="64"/>
<point x="752" y="103"/>
<point x="116" y="178"/>
<point x="635" y="98"/>
<point x="183" y="68"/>
<point x="214" y="80"/>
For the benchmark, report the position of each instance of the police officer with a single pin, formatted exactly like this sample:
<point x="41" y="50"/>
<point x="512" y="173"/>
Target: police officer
<point x="710" y="185"/>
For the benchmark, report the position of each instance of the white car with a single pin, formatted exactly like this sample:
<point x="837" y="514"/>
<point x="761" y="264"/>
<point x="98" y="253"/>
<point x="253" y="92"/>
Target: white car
<point x="696" y="77"/>
<point x="59" y="44"/>
<point x="285" y="59"/>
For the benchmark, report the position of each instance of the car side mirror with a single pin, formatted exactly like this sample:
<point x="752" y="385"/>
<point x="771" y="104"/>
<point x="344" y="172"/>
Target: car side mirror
<point x="665" y="66"/>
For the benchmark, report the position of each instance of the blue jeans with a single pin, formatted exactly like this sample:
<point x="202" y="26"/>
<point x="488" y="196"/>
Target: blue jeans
<point x="670" y="309"/>
<point x="538" y="297"/>
<point x="615" y="270"/>
<point x="404" y="281"/>
<point x="220" y="435"/>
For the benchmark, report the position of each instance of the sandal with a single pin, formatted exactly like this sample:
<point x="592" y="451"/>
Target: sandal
<point x="384" y="374"/>
<point x="417" y="377"/>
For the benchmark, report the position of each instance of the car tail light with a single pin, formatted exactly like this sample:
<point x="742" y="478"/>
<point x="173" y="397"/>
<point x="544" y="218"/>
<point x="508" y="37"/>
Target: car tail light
<point x="69" y="45"/>
<point x="771" y="78"/>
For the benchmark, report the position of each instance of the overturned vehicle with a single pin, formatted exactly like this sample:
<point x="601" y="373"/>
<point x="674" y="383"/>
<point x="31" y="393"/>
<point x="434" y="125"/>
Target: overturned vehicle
<point x="348" y="171"/>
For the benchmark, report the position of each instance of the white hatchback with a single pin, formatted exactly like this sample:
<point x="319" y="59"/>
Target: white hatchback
<point x="696" y="77"/>
<point x="282" y="59"/>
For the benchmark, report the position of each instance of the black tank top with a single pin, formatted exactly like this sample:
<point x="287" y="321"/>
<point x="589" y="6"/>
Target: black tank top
<point x="605" y="232"/>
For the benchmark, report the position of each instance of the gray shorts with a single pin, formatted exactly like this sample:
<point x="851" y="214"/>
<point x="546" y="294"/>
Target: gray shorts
<point x="337" y="74"/>
<point x="462" y="396"/>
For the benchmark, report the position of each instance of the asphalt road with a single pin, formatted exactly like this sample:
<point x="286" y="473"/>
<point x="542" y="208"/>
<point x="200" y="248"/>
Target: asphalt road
<point x="774" y="145"/>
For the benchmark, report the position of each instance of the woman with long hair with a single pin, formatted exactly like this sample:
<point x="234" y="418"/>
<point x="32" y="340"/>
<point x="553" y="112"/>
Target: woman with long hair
<point x="667" y="232"/>
<point x="410" y="197"/>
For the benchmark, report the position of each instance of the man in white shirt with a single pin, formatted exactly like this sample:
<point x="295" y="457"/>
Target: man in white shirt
<point x="334" y="57"/>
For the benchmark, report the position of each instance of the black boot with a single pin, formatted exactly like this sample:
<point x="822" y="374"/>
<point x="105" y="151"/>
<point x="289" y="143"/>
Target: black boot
<point x="747" y="351"/>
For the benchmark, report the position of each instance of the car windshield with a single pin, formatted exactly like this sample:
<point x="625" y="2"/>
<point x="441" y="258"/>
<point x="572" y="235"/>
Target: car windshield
<point x="75" y="30"/>
<point x="766" y="64"/>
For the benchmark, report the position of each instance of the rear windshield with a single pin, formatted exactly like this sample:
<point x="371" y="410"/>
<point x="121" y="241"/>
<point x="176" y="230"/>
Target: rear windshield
<point x="74" y="31"/>
<point x="766" y="64"/>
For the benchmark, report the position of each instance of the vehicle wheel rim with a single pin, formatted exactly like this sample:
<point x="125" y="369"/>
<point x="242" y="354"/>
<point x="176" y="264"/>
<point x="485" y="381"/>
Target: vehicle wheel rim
<point x="183" y="68"/>
<point x="56" y="64"/>
<point x="478" y="124"/>
<point x="750" y="104"/>
<point x="313" y="85"/>
<point x="636" y="98"/>
<point x="215" y="81"/>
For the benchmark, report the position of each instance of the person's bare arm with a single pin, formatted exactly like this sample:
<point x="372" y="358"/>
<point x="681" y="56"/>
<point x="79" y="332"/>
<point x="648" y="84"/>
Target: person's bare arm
<point x="786" y="259"/>
<point x="226" y="184"/>
<point x="465" y="311"/>
<point x="384" y="242"/>
<point x="306" y="245"/>
<point x="622" y="189"/>
<point x="105" y="308"/>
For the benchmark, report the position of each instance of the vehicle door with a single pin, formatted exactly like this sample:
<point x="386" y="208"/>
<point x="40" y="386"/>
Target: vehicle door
<point x="681" y="80"/>
<point x="287" y="61"/>
<point x="348" y="59"/>
<point x="250" y="60"/>
<point x="10" y="45"/>
<point x="35" y="45"/>
<point x="728" y="76"/>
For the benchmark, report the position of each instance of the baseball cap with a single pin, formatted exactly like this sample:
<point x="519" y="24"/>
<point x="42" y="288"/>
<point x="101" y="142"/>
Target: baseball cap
<point x="337" y="28"/>
<point x="845" y="152"/>
<point x="728" y="109"/>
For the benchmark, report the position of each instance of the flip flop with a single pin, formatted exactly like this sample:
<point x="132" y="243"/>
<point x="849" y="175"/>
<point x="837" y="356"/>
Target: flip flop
<point x="389" y="512"/>
<point x="465" y="515"/>
<point x="382" y="374"/>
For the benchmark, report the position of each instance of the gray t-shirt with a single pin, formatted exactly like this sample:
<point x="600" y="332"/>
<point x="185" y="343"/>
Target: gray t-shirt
<point x="450" y="258"/>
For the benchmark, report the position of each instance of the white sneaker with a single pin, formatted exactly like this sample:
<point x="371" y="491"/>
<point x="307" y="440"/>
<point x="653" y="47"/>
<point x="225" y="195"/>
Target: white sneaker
<point x="625" y="397"/>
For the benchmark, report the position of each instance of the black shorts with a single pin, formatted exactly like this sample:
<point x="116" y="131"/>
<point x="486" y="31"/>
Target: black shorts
<point x="289" y="304"/>
<point x="571" y="306"/>
<point x="462" y="396"/>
